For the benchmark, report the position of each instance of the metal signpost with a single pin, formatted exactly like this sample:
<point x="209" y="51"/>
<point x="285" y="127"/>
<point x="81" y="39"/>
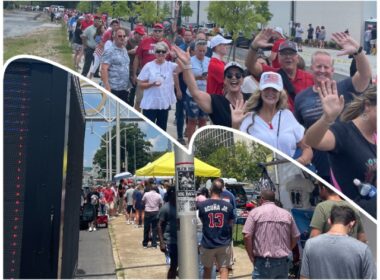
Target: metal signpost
<point x="186" y="215"/>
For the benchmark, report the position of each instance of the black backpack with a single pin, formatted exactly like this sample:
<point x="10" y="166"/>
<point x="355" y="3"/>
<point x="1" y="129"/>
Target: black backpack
<point x="88" y="212"/>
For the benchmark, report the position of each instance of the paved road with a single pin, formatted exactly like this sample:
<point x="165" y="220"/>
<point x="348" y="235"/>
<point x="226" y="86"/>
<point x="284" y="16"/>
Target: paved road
<point x="95" y="257"/>
<point x="18" y="23"/>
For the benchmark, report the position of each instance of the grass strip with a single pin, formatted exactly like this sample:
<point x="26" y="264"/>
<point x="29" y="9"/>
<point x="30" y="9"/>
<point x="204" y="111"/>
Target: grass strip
<point x="50" y="43"/>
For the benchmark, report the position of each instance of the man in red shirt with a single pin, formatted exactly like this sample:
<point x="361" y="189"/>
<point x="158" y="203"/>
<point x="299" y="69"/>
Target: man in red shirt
<point x="215" y="77"/>
<point x="109" y="197"/>
<point x="88" y="21"/>
<point x="279" y="39"/>
<point x="145" y="54"/>
<point x="294" y="79"/>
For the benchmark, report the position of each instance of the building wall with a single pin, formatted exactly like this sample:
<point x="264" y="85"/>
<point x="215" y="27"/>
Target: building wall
<point x="334" y="15"/>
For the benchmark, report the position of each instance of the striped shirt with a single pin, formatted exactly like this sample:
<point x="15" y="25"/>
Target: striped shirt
<point x="271" y="228"/>
<point x="152" y="201"/>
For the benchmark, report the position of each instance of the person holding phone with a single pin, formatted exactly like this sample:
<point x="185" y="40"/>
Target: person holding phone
<point x="157" y="81"/>
<point x="199" y="62"/>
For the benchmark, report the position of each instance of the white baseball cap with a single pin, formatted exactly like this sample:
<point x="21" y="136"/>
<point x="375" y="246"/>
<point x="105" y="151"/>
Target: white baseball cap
<point x="233" y="64"/>
<point x="271" y="80"/>
<point x="279" y="30"/>
<point x="218" y="40"/>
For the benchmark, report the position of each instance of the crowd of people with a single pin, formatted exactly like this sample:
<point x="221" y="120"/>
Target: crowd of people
<point x="323" y="124"/>
<point x="274" y="99"/>
<point x="271" y="236"/>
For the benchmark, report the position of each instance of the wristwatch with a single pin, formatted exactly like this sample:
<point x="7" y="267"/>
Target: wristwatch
<point x="358" y="51"/>
<point x="253" y="48"/>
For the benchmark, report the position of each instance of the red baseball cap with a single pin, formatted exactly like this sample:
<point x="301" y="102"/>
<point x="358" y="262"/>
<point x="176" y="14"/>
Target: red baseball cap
<point x="158" y="26"/>
<point x="140" y="30"/>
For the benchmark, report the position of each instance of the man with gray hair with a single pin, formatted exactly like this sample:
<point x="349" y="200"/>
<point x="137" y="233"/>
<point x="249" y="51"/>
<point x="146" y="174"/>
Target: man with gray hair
<point x="308" y="106"/>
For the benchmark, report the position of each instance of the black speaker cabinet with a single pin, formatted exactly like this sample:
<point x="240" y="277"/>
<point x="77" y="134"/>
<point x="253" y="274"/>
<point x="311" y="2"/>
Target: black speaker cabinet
<point x="44" y="128"/>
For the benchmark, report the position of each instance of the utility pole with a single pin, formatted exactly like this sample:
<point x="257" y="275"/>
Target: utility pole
<point x="125" y="150"/>
<point x="198" y="6"/>
<point x="186" y="215"/>
<point x="179" y="18"/>
<point x="118" y="169"/>
<point x="134" y="152"/>
<point x="109" y="142"/>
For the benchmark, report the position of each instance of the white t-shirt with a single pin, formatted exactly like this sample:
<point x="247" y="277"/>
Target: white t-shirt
<point x="289" y="134"/>
<point x="250" y="85"/>
<point x="158" y="97"/>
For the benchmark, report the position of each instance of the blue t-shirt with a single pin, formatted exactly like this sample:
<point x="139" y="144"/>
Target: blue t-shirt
<point x="216" y="216"/>
<point x="308" y="109"/>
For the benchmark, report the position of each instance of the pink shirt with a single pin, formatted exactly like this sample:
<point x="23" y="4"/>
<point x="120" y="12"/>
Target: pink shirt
<point x="152" y="201"/>
<point x="271" y="228"/>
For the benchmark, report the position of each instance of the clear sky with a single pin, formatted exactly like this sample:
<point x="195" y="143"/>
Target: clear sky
<point x="93" y="140"/>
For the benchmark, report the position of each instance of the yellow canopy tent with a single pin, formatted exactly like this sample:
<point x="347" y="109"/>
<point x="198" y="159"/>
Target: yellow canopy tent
<point x="164" y="166"/>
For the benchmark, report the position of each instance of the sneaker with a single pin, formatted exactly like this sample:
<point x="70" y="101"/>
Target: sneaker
<point x="90" y="229"/>
<point x="127" y="222"/>
<point x="145" y="247"/>
<point x="182" y="141"/>
<point x="94" y="229"/>
<point x="136" y="226"/>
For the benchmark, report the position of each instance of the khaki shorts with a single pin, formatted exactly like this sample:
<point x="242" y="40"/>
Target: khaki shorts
<point x="222" y="256"/>
<point x="110" y="205"/>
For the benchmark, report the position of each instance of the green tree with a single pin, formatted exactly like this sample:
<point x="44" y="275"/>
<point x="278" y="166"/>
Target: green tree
<point x="186" y="10"/>
<point x="135" y="143"/>
<point x="84" y="6"/>
<point x="165" y="10"/>
<point x="204" y="148"/>
<point x="121" y="9"/>
<point x="239" y="161"/>
<point x="262" y="8"/>
<point x="237" y="16"/>
<point x="106" y="7"/>
<point x="147" y="11"/>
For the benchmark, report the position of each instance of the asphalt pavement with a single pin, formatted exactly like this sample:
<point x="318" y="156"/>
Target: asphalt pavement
<point x="95" y="256"/>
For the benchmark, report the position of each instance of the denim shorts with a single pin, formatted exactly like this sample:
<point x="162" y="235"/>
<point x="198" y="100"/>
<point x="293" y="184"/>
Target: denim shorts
<point x="192" y="109"/>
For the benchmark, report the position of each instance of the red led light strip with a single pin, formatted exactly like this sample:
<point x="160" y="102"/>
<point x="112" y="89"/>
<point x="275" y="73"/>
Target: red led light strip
<point x="19" y="187"/>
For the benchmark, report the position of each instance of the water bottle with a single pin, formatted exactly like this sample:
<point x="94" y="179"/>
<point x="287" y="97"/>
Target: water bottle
<point x="365" y="189"/>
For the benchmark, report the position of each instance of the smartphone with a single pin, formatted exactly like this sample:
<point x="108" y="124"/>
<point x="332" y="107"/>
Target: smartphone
<point x="204" y="74"/>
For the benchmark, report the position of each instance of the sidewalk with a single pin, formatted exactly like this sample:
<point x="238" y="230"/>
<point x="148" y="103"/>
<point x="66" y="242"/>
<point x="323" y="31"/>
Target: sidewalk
<point x="133" y="261"/>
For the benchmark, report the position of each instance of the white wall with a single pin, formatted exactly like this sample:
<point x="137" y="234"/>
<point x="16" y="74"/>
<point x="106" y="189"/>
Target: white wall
<point x="335" y="15"/>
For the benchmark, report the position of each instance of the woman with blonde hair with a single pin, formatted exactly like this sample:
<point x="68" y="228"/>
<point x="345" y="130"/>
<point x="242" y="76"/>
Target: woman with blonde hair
<point x="350" y="143"/>
<point x="266" y="117"/>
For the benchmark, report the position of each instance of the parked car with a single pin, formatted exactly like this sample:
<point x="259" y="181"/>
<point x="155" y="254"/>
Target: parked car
<point x="238" y="191"/>
<point x="243" y="42"/>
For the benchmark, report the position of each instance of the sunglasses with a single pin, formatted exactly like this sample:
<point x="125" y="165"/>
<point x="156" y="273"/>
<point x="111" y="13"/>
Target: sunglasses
<point x="230" y="75"/>
<point x="121" y="36"/>
<point x="289" y="54"/>
<point x="161" y="51"/>
<point x="158" y="30"/>
<point x="200" y="42"/>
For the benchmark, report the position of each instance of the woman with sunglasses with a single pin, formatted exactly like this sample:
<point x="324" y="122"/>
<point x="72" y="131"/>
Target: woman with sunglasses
<point x="156" y="79"/>
<point x="350" y="143"/>
<point x="216" y="106"/>
<point x="266" y="117"/>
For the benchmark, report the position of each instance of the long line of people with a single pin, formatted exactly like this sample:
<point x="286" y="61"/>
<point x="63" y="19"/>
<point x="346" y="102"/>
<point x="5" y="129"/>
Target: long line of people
<point x="285" y="104"/>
